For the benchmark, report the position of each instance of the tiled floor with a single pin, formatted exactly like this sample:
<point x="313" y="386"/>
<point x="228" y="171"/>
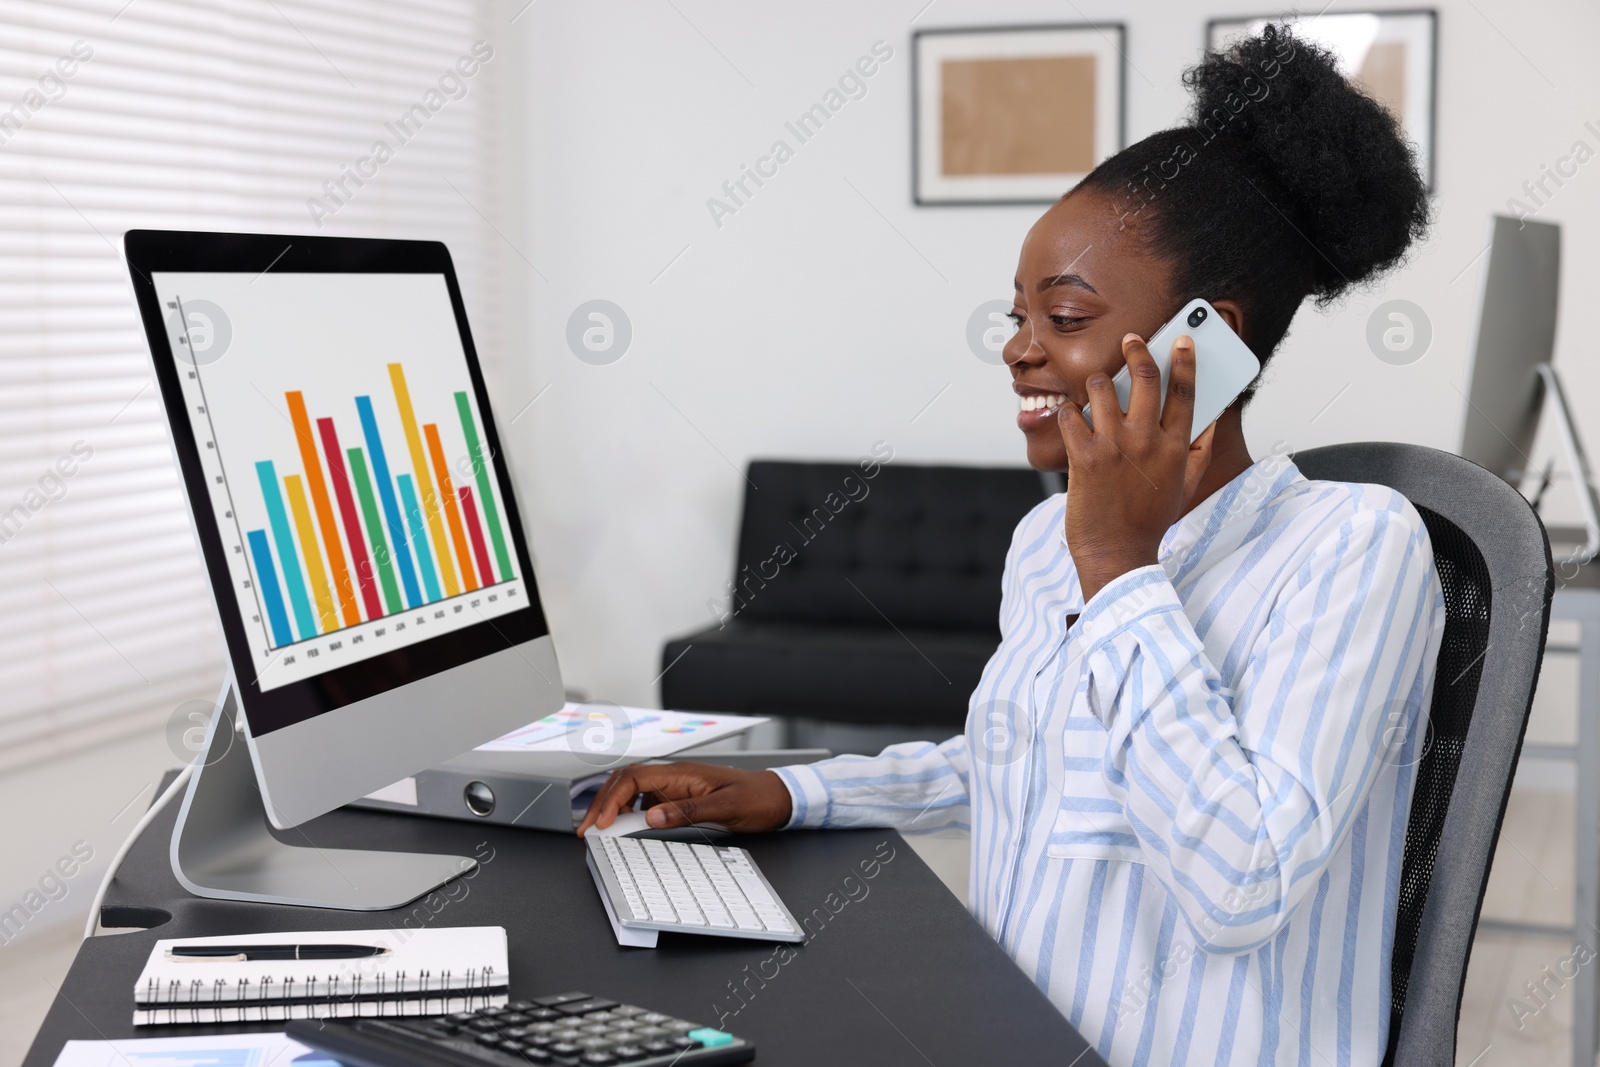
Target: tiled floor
<point x="1531" y="882"/>
<point x="30" y="971"/>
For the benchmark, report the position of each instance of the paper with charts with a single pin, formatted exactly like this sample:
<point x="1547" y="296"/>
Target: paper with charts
<point x="221" y="1050"/>
<point x="601" y="729"/>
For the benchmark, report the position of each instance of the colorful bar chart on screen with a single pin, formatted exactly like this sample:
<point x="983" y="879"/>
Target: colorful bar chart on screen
<point x="340" y="546"/>
<point x="350" y="463"/>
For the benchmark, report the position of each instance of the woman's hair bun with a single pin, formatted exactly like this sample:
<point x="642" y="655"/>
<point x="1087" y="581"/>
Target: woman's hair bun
<point x="1333" y="159"/>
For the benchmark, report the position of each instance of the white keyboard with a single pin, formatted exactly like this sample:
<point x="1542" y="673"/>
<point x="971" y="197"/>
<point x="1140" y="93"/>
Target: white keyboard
<point x="695" y="889"/>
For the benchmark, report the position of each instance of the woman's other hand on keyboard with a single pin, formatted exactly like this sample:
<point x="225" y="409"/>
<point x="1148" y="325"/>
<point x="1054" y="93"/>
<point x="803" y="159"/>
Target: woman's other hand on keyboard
<point x="680" y="794"/>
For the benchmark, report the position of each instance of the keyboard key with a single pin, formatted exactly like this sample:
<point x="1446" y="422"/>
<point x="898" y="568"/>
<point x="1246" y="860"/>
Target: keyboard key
<point x="710" y="1038"/>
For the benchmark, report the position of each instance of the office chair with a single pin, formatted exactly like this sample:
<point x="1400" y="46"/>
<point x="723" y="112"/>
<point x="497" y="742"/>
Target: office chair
<point x="1494" y="563"/>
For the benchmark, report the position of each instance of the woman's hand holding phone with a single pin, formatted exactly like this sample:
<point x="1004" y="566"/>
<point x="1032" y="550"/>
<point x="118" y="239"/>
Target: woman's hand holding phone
<point x="1131" y="475"/>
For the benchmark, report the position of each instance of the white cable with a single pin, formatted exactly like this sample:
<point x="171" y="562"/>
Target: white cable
<point x="161" y="802"/>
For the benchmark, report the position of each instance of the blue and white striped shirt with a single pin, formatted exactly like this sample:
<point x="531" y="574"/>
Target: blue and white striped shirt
<point x="1188" y="806"/>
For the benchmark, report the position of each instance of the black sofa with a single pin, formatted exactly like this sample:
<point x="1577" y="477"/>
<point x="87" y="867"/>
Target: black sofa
<point x="856" y="598"/>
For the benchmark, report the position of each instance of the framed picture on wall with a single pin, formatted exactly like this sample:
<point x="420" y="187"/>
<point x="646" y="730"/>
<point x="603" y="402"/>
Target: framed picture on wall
<point x="1389" y="54"/>
<point x="1013" y="114"/>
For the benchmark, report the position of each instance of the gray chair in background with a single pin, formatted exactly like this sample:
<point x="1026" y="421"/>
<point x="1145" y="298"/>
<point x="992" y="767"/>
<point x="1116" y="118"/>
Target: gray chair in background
<point x="1494" y="563"/>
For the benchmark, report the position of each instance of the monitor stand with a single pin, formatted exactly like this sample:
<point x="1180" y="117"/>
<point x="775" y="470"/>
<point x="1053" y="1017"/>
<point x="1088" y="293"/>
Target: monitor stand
<point x="223" y="847"/>
<point x="1577" y="464"/>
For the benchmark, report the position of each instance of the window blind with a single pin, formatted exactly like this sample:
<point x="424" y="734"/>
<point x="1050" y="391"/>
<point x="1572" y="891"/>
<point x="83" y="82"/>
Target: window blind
<point x="253" y="115"/>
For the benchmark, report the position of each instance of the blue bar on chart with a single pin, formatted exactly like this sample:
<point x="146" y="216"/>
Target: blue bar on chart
<point x="267" y="582"/>
<point x="305" y="621"/>
<point x="408" y="500"/>
<point x="391" y="511"/>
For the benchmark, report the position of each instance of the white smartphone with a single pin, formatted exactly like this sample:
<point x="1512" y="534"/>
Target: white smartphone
<point x="1223" y="364"/>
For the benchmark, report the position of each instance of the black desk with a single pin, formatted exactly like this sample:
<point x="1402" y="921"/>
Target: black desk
<point x="902" y="975"/>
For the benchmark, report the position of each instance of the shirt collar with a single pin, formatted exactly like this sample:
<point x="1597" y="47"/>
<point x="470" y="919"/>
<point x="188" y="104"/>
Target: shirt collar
<point x="1249" y="491"/>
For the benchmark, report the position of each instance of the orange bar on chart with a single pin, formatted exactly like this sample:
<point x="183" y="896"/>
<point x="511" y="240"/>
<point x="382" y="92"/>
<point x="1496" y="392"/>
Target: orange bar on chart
<point x="447" y="496"/>
<point x="342" y="587"/>
<point x="419" y="467"/>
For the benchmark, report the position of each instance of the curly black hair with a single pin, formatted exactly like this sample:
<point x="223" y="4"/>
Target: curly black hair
<point x="1285" y="182"/>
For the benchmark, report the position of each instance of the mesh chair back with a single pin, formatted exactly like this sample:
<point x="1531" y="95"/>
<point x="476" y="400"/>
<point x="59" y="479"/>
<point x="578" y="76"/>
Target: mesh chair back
<point x="1494" y="565"/>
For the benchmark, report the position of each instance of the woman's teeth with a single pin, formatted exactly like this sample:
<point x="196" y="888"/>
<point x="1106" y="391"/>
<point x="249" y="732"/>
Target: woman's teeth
<point x="1041" y="403"/>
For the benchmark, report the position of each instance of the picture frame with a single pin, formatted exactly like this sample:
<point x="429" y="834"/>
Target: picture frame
<point x="1392" y="54"/>
<point x="979" y="133"/>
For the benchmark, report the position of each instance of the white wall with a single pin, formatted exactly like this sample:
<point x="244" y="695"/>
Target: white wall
<point x="829" y="310"/>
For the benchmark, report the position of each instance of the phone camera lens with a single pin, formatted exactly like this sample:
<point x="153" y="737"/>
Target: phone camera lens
<point x="1197" y="316"/>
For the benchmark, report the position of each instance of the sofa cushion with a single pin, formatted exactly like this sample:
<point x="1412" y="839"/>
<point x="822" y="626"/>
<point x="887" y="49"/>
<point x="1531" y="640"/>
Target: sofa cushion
<point x="844" y="673"/>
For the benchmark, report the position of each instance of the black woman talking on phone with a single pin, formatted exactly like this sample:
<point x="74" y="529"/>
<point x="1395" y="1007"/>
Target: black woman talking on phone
<point x="1187" y="768"/>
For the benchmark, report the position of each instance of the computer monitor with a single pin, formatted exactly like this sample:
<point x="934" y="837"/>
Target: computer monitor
<point x="361" y="534"/>
<point x="1516" y="333"/>
<point x="1513" y="378"/>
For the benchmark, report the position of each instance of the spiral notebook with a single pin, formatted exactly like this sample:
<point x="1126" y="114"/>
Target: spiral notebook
<point x="424" y="972"/>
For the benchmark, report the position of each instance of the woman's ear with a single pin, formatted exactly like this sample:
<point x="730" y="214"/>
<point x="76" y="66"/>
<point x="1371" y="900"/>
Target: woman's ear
<point x="1232" y="314"/>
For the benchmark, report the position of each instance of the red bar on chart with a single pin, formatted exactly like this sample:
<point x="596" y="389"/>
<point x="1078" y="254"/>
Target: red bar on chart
<point x="352" y="521"/>
<point x="469" y="512"/>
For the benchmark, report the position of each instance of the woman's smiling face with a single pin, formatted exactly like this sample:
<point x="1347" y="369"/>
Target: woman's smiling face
<point x="1083" y="282"/>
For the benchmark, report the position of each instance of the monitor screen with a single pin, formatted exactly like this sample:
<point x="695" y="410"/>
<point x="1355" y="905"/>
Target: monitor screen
<point x="356" y="517"/>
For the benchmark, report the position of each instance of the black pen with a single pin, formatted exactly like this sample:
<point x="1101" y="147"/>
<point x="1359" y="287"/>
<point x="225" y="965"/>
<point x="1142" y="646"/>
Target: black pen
<point x="241" y="953"/>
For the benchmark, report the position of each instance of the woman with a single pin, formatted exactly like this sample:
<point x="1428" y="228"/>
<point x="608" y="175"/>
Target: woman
<point x="1188" y="766"/>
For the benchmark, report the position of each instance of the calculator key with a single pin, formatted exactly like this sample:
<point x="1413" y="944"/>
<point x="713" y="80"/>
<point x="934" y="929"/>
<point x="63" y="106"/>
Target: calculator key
<point x="560" y="998"/>
<point x="519" y="1005"/>
<point x="597" y="1059"/>
<point x="629" y="1010"/>
<point x="660" y="1048"/>
<point x="493" y="1011"/>
<point x="628" y="1053"/>
<point x="563" y="1048"/>
<point x="647" y="1033"/>
<point x="461" y="1018"/>
<point x="542" y="1014"/>
<point x="491" y="1040"/>
<point x="536" y="1055"/>
<point x="584" y="1007"/>
<point x="654" y="1018"/>
<point x="483" y="1026"/>
<point x="514" y="1018"/>
<point x="710" y="1038"/>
